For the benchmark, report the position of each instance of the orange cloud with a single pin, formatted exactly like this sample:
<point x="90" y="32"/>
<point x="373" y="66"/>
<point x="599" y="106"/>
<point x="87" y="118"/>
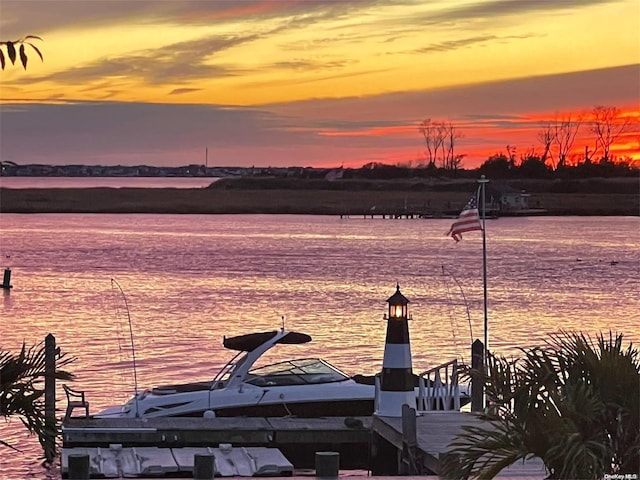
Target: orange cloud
<point x="238" y="10"/>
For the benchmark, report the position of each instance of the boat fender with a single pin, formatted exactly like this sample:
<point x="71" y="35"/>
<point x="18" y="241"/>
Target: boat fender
<point x="353" y="422"/>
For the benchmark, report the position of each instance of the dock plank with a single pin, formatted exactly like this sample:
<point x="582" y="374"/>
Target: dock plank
<point x="321" y="430"/>
<point x="166" y="431"/>
<point x="203" y="432"/>
<point x="435" y="432"/>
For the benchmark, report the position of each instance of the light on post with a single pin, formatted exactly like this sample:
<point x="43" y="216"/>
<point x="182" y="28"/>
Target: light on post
<point x="398" y="306"/>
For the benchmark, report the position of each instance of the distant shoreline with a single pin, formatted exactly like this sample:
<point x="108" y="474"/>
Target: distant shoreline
<point x="105" y="182"/>
<point x="350" y="202"/>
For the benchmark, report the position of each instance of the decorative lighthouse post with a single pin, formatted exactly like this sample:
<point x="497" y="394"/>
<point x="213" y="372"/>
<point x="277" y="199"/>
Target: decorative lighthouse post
<point x="397" y="382"/>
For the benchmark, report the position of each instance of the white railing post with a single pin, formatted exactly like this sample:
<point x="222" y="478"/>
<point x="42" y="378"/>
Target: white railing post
<point x="433" y="394"/>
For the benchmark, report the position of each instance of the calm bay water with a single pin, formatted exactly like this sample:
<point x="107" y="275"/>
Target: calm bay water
<point x="191" y="279"/>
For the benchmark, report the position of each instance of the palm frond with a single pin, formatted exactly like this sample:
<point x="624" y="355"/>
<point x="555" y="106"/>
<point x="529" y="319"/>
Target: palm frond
<point x="22" y="378"/>
<point x="573" y="402"/>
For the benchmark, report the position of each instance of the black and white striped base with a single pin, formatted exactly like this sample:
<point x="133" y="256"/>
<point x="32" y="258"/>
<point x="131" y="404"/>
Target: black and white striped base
<point x="397" y="383"/>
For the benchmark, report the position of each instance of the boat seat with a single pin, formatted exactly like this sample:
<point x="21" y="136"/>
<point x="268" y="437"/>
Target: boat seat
<point x="75" y="399"/>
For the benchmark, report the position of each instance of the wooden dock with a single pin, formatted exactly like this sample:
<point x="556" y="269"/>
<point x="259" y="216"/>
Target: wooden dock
<point x="432" y="434"/>
<point x="297" y="438"/>
<point x="394" y="215"/>
<point x="377" y="444"/>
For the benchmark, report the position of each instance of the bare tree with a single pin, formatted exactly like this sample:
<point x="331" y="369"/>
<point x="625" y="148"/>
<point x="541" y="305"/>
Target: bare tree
<point x="453" y="161"/>
<point x="433" y="133"/>
<point x="608" y="125"/>
<point x="565" y="131"/>
<point x="546" y="137"/>
<point x="428" y="130"/>
<point x="440" y="136"/>
<point x="21" y="51"/>
<point x="530" y="153"/>
<point x="511" y="153"/>
<point x="441" y="139"/>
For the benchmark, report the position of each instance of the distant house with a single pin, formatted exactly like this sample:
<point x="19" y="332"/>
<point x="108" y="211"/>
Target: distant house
<point x="513" y="201"/>
<point x="505" y="199"/>
<point x="334" y="174"/>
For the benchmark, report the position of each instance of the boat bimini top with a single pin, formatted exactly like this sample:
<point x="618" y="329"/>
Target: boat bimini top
<point x="250" y="348"/>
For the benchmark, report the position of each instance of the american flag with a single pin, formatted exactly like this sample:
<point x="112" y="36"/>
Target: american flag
<point x="467" y="221"/>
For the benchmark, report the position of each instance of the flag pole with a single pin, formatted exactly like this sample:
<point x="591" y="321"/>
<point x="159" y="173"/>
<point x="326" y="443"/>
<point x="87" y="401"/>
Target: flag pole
<point x="483" y="181"/>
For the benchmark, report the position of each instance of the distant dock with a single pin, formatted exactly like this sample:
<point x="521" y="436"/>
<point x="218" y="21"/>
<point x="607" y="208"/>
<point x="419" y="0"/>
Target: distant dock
<point x="395" y="215"/>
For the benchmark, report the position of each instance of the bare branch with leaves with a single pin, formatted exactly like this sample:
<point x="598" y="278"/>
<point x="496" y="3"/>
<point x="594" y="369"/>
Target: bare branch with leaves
<point x="16" y="49"/>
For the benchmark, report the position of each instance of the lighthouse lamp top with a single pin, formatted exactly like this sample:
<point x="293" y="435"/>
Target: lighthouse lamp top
<point x="398" y="306"/>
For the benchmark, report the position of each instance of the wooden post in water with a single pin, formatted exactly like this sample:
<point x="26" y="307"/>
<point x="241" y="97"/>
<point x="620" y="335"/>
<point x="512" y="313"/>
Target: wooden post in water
<point x="327" y="464"/>
<point x="50" y="425"/>
<point x="408" y="464"/>
<point x="6" y="280"/>
<point x="477" y="387"/>
<point x="204" y="466"/>
<point x="78" y="466"/>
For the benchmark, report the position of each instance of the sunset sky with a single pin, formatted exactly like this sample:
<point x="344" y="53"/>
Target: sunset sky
<point x="309" y="83"/>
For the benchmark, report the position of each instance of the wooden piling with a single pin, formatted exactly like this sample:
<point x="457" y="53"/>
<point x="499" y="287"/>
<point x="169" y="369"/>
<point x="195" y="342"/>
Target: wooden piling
<point x="477" y="386"/>
<point x="327" y="464"/>
<point x="204" y="466"/>
<point x="51" y="427"/>
<point x="408" y="461"/>
<point x="78" y="466"/>
<point x="384" y="456"/>
<point x="6" y="281"/>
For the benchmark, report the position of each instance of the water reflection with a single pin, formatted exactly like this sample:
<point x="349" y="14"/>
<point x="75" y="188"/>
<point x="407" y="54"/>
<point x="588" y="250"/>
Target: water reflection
<point x="189" y="280"/>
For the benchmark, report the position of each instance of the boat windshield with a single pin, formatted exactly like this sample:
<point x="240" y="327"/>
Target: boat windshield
<point x="295" y="372"/>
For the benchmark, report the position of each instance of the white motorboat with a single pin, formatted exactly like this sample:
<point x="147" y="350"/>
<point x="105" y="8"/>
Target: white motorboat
<point x="308" y="387"/>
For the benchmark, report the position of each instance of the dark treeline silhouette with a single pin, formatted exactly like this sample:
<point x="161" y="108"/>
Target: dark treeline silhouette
<point x="501" y="166"/>
<point x="498" y="167"/>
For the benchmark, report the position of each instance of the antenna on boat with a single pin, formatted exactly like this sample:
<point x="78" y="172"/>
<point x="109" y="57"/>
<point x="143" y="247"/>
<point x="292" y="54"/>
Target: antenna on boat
<point x="464" y="298"/>
<point x="133" y="347"/>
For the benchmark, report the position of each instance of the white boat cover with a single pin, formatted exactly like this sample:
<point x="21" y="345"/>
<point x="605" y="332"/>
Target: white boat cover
<point x="141" y="462"/>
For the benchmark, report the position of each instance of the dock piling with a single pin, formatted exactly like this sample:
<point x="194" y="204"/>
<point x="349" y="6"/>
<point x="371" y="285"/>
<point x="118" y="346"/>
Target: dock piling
<point x="51" y="428"/>
<point x="204" y="466"/>
<point x="327" y="464"/>
<point x="78" y="466"/>
<point x="6" y="280"/>
<point x="477" y="387"/>
<point x="409" y="455"/>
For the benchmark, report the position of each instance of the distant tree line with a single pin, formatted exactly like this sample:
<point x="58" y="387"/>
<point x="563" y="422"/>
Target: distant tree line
<point x="499" y="166"/>
<point x="555" y="154"/>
